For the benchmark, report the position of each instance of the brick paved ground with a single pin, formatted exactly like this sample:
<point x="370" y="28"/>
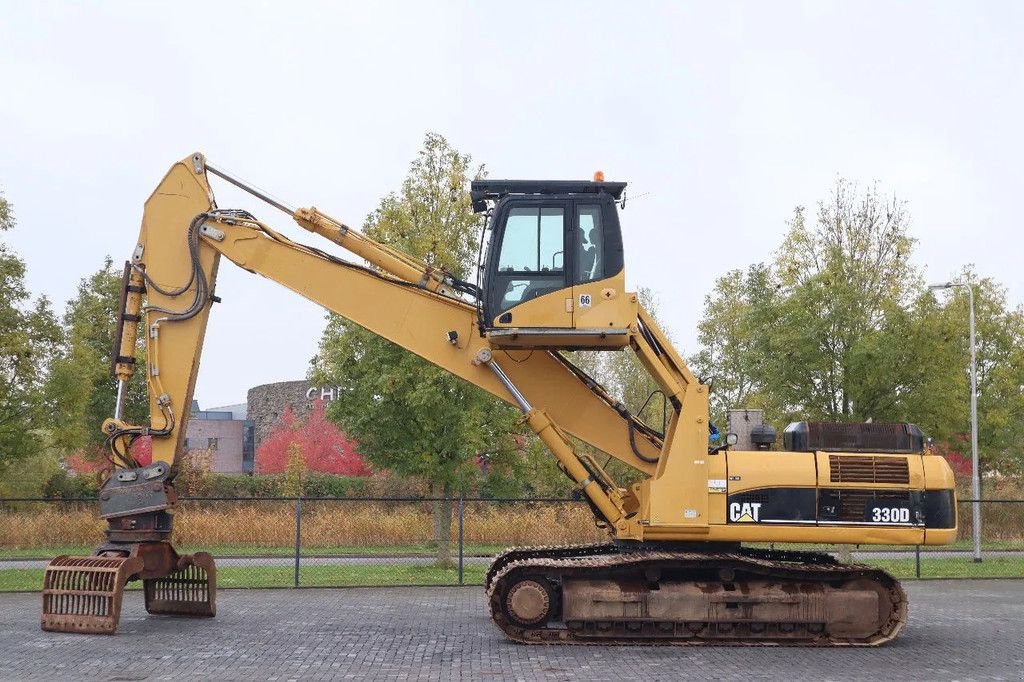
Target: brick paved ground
<point x="964" y="630"/>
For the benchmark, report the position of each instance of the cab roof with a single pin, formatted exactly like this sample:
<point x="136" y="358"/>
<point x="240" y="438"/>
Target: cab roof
<point x="495" y="189"/>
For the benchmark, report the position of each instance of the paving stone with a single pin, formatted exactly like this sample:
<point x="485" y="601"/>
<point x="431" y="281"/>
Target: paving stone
<point x="963" y="630"/>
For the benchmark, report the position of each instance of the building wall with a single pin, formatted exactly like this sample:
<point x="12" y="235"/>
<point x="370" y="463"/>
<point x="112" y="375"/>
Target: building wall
<point x="225" y="436"/>
<point x="267" y="403"/>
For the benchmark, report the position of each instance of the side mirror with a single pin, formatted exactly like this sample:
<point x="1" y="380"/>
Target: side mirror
<point x="731" y="439"/>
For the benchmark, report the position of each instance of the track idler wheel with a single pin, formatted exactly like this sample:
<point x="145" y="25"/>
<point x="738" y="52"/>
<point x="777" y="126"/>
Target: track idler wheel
<point x="191" y="590"/>
<point x="83" y="594"/>
<point x="530" y="601"/>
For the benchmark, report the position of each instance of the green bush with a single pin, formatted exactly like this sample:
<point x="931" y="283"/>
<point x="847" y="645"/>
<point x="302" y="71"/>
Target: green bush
<point x="498" y="483"/>
<point x="63" y="487"/>
<point x="273" y="485"/>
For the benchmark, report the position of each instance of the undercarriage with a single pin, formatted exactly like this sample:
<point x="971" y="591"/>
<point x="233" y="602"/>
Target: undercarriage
<point x="605" y="594"/>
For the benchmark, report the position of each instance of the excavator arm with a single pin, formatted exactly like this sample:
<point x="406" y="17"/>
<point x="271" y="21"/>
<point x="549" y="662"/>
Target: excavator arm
<point x="169" y="286"/>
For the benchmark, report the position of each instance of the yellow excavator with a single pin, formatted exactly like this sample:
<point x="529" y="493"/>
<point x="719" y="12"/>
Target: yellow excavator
<point x="674" y="570"/>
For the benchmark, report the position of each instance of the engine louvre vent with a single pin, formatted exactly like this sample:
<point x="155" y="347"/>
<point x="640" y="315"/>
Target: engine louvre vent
<point x="850" y="505"/>
<point x="868" y="469"/>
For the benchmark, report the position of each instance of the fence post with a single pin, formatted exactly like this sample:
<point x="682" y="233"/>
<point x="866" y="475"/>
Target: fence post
<point x="298" y="537"/>
<point x="917" y="559"/>
<point x="462" y="508"/>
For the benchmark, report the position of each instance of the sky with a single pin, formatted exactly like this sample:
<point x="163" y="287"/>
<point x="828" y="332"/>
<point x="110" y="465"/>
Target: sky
<point x="722" y="117"/>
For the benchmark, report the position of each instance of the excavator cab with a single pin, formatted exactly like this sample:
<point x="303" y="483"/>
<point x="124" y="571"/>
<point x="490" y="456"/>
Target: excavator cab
<point x="554" y="275"/>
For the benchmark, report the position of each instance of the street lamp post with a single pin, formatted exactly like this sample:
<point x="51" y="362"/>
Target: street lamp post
<point x="976" y="472"/>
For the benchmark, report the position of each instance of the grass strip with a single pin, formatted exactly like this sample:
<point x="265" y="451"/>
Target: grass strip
<point x="426" y="550"/>
<point x="31" y="579"/>
<point x="384" y="575"/>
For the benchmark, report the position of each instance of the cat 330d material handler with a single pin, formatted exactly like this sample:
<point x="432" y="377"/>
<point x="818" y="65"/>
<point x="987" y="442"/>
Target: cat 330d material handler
<point x="674" y="570"/>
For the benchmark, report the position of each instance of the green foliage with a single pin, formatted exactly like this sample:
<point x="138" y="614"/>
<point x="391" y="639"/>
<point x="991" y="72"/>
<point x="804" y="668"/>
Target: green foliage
<point x="194" y="478"/>
<point x="49" y="480"/>
<point x="535" y="474"/>
<point x="60" y="486"/>
<point x="29" y="337"/>
<point x="728" y="335"/>
<point x="81" y="386"/>
<point x="331" y="485"/>
<point x="410" y="417"/>
<point x="839" y="282"/>
<point x="840" y="327"/>
<point x="622" y="374"/>
<point x="32" y="475"/>
<point x="314" y="485"/>
<point x="1000" y="360"/>
<point x="295" y="472"/>
<point x="432" y="217"/>
<point x="7" y="221"/>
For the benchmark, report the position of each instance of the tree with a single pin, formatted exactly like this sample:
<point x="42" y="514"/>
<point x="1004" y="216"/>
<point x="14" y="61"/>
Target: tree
<point x="840" y="327"/>
<point x="1000" y="362"/>
<point x="81" y="385"/>
<point x="295" y="471"/>
<point x="323" y="446"/>
<point x="408" y="416"/>
<point x="29" y="336"/>
<point x="839" y="282"/>
<point x="728" y="339"/>
<point x="796" y="336"/>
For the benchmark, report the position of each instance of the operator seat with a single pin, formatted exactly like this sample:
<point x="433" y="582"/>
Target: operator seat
<point x="588" y="255"/>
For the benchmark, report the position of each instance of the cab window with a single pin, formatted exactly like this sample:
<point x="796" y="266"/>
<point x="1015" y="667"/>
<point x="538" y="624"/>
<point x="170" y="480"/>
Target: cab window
<point x="533" y="240"/>
<point x="589" y="244"/>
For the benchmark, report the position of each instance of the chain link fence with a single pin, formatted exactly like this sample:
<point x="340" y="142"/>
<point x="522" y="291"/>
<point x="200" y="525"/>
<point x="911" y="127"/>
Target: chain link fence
<point x="335" y="542"/>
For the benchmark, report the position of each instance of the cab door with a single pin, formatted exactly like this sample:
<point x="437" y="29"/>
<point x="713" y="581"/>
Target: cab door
<point x="528" y="270"/>
<point x="596" y="264"/>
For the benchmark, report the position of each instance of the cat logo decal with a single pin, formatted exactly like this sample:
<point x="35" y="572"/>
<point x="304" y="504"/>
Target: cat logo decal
<point x="746" y="512"/>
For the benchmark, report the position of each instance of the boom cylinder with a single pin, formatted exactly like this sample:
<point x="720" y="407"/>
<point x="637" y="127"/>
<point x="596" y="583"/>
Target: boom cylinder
<point x="542" y="425"/>
<point x="393" y="262"/>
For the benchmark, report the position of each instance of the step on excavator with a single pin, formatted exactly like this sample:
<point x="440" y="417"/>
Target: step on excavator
<point x="686" y="559"/>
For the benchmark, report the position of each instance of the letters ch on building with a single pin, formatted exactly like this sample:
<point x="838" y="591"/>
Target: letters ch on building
<point x="328" y="393"/>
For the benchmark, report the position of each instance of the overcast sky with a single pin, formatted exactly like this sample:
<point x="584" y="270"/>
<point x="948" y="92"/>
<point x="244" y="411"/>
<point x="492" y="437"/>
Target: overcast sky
<point x="723" y="115"/>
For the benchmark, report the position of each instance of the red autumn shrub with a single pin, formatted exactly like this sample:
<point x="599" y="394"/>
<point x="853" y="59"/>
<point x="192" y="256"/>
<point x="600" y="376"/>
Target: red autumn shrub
<point x="325" y="448"/>
<point x="92" y="461"/>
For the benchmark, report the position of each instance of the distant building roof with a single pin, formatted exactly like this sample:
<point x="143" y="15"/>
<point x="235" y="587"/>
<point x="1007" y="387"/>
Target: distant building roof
<point x="238" y="410"/>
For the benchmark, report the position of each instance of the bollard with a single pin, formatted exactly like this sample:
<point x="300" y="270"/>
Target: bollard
<point x="917" y="559"/>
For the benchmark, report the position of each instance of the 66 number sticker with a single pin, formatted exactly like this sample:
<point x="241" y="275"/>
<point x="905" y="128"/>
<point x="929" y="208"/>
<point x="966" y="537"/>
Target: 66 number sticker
<point x="883" y="514"/>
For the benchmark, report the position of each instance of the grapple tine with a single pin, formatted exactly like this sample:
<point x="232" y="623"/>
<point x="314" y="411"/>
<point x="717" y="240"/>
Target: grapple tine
<point x="189" y="591"/>
<point x="83" y="594"/>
